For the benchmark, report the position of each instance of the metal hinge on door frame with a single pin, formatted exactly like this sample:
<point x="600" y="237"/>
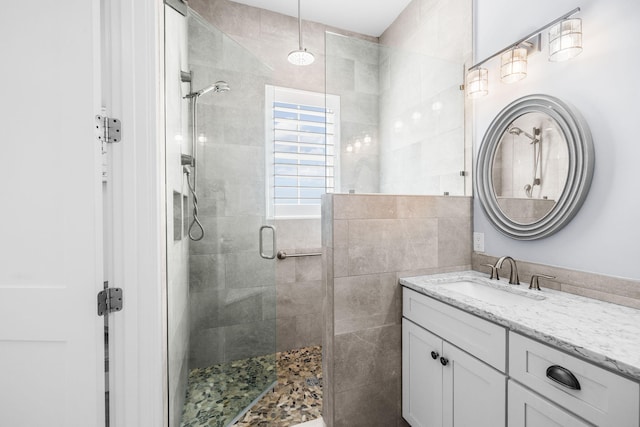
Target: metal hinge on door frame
<point x="109" y="129"/>
<point x="109" y="300"/>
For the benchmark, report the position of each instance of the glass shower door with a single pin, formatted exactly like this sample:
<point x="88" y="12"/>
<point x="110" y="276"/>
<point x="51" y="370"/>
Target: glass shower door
<point x="230" y="312"/>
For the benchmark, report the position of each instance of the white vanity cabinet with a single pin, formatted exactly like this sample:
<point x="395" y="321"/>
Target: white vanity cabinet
<point x="515" y="360"/>
<point x="598" y="396"/>
<point x="442" y="384"/>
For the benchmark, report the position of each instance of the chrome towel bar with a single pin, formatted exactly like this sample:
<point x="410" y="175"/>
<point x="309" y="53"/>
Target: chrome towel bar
<point x="283" y="255"/>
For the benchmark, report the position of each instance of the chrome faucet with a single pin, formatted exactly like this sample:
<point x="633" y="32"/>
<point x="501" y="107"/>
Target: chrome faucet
<point x="513" y="276"/>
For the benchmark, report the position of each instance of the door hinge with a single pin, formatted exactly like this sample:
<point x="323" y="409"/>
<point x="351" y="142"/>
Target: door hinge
<point x="109" y="300"/>
<point x="108" y="129"/>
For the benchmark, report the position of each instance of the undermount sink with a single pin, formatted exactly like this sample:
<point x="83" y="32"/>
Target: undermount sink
<point x="497" y="293"/>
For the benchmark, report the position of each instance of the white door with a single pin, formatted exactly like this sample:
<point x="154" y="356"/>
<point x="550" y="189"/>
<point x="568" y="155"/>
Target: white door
<point x="421" y="376"/>
<point x="51" y="350"/>
<point x="474" y="394"/>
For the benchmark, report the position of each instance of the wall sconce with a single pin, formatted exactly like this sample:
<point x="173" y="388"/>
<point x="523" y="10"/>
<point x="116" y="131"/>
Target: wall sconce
<point x="513" y="65"/>
<point x="565" y="42"/>
<point x="477" y="83"/>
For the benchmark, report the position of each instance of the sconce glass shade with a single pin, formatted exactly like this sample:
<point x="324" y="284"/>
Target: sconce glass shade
<point x="565" y="40"/>
<point x="477" y="83"/>
<point x="301" y="57"/>
<point x="513" y="65"/>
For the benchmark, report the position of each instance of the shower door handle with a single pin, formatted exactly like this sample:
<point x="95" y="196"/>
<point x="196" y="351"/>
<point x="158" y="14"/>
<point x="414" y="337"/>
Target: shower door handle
<point x="273" y="251"/>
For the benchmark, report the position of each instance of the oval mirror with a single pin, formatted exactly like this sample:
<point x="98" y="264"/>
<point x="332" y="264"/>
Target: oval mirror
<point x="534" y="167"/>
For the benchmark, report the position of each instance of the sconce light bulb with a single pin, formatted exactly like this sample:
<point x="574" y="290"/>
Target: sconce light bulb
<point x="477" y="83"/>
<point x="513" y="65"/>
<point x="565" y="40"/>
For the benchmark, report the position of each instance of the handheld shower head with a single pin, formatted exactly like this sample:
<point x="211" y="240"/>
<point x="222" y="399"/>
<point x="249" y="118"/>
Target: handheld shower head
<point x="514" y="130"/>
<point x="218" y="87"/>
<point x="221" y="86"/>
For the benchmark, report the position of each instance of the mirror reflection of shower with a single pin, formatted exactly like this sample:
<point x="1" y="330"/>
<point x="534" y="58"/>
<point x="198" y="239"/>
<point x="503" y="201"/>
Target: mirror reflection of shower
<point x="189" y="163"/>
<point x="536" y="141"/>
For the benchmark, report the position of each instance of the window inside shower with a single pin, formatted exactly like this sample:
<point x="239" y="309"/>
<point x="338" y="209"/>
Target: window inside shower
<point x="302" y="163"/>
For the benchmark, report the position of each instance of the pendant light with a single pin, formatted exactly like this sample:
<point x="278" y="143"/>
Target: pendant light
<point x="300" y="56"/>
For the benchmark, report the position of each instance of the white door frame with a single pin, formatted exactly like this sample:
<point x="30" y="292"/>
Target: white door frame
<point x="138" y="384"/>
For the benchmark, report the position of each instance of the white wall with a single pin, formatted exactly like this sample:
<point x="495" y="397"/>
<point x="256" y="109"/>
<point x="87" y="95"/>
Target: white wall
<point x="603" y="84"/>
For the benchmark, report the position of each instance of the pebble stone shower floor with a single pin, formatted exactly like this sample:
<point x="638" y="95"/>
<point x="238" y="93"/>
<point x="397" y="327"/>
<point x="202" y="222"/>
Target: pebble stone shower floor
<point x="296" y="397"/>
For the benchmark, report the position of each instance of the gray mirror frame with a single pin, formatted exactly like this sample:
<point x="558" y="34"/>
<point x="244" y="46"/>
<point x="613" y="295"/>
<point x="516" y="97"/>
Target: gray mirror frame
<point x="581" y="166"/>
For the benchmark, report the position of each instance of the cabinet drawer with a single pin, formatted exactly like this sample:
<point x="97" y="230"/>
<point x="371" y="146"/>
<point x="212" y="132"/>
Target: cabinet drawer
<point x="527" y="409"/>
<point x="476" y="336"/>
<point x="604" y="398"/>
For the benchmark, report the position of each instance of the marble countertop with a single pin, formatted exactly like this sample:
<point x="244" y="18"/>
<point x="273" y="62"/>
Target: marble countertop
<point x="603" y="333"/>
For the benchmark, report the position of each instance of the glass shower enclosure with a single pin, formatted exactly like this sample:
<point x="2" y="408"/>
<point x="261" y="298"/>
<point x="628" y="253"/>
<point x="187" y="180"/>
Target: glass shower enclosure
<point x="220" y="292"/>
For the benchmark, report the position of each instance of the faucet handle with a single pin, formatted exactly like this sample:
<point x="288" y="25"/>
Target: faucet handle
<point x="494" y="271"/>
<point x="533" y="284"/>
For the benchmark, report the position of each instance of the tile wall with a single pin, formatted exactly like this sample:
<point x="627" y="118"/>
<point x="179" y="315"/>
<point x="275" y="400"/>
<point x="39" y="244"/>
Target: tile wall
<point x="353" y="73"/>
<point x="422" y="108"/>
<point x="299" y="285"/>
<point x="369" y="242"/>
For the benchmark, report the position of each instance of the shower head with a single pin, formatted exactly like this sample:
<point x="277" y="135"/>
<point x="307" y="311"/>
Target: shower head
<point x="221" y="86"/>
<point x="514" y="130"/>
<point x="218" y="87"/>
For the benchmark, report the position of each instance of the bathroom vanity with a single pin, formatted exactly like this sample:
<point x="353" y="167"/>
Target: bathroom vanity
<point x="480" y="352"/>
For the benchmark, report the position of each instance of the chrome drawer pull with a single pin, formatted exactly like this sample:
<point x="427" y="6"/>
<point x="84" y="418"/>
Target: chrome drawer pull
<point x="563" y="376"/>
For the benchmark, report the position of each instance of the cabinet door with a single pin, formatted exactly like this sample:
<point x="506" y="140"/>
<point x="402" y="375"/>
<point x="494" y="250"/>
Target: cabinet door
<point x="527" y="409"/>
<point x="421" y="377"/>
<point x="474" y="394"/>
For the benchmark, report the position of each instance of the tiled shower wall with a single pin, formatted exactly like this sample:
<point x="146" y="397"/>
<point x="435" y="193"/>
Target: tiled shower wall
<point x="422" y="107"/>
<point x="299" y="285"/>
<point x="353" y="74"/>
<point x="369" y="242"/>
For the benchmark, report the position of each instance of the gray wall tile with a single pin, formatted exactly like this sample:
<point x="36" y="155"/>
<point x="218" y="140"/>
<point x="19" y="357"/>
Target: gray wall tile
<point x="383" y="237"/>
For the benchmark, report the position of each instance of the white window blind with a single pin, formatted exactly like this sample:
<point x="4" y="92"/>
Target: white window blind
<point x="302" y="130"/>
